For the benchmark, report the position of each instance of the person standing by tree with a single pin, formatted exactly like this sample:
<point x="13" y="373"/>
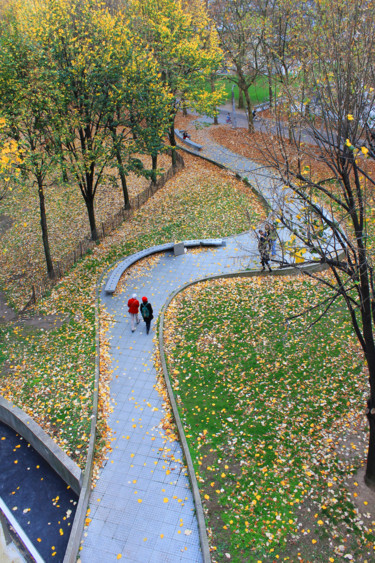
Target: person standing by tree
<point x="147" y="313"/>
<point x="271" y="237"/>
<point x="133" y="305"/>
<point x="263" y="247"/>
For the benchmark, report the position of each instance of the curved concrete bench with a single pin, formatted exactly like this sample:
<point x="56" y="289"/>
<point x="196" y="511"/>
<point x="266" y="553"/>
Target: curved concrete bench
<point x="188" y="142"/>
<point x="123" y="265"/>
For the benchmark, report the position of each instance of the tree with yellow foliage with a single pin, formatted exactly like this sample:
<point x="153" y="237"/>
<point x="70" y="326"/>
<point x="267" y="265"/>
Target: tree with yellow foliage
<point x="27" y="112"/>
<point x="9" y="161"/>
<point x="100" y="84"/>
<point x="185" y="47"/>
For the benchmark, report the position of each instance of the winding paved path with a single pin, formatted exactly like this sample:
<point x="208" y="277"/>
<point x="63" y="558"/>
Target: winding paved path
<point x="142" y="508"/>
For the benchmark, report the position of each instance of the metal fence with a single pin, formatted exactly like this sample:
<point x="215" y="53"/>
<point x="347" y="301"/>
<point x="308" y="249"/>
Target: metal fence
<point x="61" y="267"/>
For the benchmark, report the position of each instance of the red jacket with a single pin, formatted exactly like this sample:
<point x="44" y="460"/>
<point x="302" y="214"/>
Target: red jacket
<point x="133" y="305"/>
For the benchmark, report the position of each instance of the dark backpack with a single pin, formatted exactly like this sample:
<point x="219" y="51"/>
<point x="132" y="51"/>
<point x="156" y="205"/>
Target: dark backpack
<point x="145" y="312"/>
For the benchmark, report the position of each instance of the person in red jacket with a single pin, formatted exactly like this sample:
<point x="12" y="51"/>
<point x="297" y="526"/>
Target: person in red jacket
<point x="133" y="305"/>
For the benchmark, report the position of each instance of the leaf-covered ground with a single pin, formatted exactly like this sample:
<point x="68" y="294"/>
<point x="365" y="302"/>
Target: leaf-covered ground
<point x="273" y="413"/>
<point x="49" y="371"/>
<point x="22" y="261"/>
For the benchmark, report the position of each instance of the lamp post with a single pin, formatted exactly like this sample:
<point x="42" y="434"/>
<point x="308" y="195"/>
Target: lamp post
<point x="234" y="118"/>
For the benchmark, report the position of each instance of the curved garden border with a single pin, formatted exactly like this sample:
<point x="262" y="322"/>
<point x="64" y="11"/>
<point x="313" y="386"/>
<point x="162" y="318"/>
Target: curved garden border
<point x="176" y="414"/>
<point x="79" y="520"/>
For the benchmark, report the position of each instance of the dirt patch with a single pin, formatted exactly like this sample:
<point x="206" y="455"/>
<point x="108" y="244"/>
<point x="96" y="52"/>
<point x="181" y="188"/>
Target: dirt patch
<point x="6" y="313"/>
<point x="43" y="322"/>
<point x="5" y="370"/>
<point x="312" y="543"/>
<point x="217" y="529"/>
<point x="5" y="224"/>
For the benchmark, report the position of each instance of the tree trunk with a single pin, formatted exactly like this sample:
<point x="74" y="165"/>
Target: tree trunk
<point x="124" y="186"/>
<point x="184" y="109"/>
<point x="213" y="90"/>
<point x="120" y="167"/>
<point x="133" y="127"/>
<point x="368" y="336"/>
<point x="89" y="200"/>
<point x="172" y="141"/>
<point x="270" y="89"/>
<point x="370" y="466"/>
<point x="241" y="103"/>
<point x="154" y="158"/>
<point x="43" y="223"/>
<point x="249" y="111"/>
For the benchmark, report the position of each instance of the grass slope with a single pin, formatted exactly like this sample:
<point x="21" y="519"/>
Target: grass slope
<point x="273" y="416"/>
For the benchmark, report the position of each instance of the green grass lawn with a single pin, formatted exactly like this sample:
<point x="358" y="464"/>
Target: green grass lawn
<point x="50" y="373"/>
<point x="258" y="91"/>
<point x="270" y="410"/>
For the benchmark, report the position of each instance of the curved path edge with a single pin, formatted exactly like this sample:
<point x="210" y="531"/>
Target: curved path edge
<point x="236" y="174"/>
<point x="181" y="433"/>
<point x="184" y="444"/>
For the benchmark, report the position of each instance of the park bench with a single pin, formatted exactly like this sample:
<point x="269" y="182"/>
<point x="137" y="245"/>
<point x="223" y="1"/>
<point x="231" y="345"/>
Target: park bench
<point x="188" y="142"/>
<point x="262" y="107"/>
<point x="123" y="265"/>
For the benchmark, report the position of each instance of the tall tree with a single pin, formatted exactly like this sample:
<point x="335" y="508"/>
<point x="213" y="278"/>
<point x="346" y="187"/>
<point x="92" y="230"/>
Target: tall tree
<point x="333" y="102"/>
<point x="241" y="29"/>
<point x="279" y="20"/>
<point x="28" y="113"/>
<point x="78" y="41"/>
<point x="138" y="112"/>
<point x="88" y="55"/>
<point x="186" y="50"/>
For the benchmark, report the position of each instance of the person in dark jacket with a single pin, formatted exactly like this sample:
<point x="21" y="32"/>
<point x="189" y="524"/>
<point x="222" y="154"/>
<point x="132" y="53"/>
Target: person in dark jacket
<point x="264" y="251"/>
<point x="147" y="313"/>
<point x="271" y="234"/>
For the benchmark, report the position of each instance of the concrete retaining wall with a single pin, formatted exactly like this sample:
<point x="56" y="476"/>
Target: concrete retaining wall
<point x="25" y="426"/>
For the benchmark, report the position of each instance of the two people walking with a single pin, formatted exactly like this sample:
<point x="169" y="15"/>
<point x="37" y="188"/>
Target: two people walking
<point x="146" y="312"/>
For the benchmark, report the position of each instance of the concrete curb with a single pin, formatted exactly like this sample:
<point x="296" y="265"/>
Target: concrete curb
<point x="236" y="174"/>
<point x="123" y="264"/>
<point x="24" y="425"/>
<point x="176" y="414"/>
<point x="185" y="448"/>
